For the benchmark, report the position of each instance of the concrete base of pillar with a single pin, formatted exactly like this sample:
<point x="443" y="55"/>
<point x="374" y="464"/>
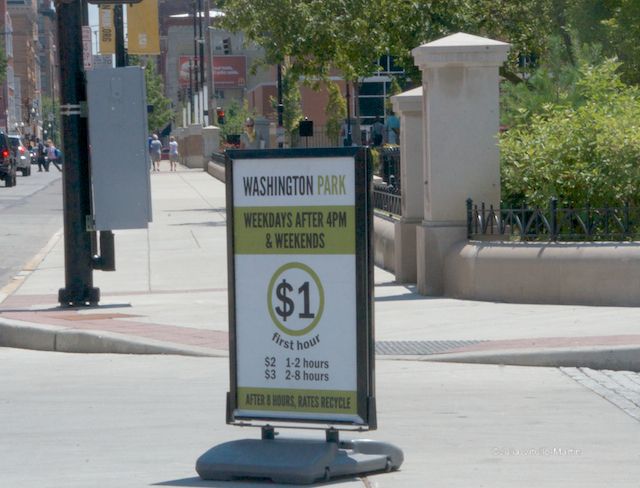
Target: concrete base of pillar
<point x="210" y="141"/>
<point x="405" y="250"/>
<point x="434" y="240"/>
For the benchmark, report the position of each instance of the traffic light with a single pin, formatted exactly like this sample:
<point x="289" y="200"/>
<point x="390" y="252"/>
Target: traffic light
<point x="220" y="114"/>
<point x="226" y="45"/>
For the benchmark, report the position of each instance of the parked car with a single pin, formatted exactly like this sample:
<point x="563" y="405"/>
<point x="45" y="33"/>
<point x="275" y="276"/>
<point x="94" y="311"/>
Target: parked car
<point x="7" y="161"/>
<point x="20" y="153"/>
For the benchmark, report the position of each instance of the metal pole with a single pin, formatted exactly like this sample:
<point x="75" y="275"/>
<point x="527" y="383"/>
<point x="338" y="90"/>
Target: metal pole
<point x="349" y="138"/>
<point x="79" y="288"/>
<point x="211" y="105"/>
<point x="106" y="261"/>
<point x="280" y="109"/>
<point x="202" y="62"/>
<point x="196" y="115"/>
<point x="118" y="21"/>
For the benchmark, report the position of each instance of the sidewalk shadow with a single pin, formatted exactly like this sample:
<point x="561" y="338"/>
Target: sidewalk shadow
<point x="209" y="209"/>
<point x="409" y="293"/>
<point x="65" y="309"/>
<point x="208" y="224"/>
<point x="246" y="483"/>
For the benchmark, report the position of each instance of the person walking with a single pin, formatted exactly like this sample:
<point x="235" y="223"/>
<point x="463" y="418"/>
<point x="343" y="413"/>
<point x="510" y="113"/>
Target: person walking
<point x="377" y="132"/>
<point x="173" y="153"/>
<point x="248" y="138"/>
<point x="53" y="155"/>
<point x="40" y="156"/>
<point x="156" y="152"/>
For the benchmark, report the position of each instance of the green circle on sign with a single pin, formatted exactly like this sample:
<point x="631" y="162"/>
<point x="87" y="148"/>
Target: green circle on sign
<point x="316" y="279"/>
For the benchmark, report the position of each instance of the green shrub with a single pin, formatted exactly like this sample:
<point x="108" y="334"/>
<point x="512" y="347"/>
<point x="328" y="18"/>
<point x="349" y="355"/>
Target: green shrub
<point x="580" y="153"/>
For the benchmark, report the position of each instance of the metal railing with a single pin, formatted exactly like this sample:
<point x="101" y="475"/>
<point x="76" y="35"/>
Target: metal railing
<point x="387" y="198"/>
<point x="554" y="223"/>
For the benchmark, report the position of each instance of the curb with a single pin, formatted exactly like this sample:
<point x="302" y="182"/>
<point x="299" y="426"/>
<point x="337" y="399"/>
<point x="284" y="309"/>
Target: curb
<point x="615" y="358"/>
<point x="26" y="335"/>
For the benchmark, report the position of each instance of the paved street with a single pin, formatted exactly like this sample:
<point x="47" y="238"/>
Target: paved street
<point x="30" y="214"/>
<point x="73" y="420"/>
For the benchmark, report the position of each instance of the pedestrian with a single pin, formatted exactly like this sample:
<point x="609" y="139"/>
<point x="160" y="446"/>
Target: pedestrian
<point x="156" y="152"/>
<point x="40" y="156"/>
<point x="344" y="132"/>
<point x="53" y="155"/>
<point x="377" y="132"/>
<point x="248" y="138"/>
<point x="392" y="128"/>
<point x="173" y="153"/>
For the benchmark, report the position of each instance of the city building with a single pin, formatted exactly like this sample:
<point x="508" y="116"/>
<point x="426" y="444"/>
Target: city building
<point x="8" y="116"/>
<point x="26" y="66"/>
<point x="49" y="74"/>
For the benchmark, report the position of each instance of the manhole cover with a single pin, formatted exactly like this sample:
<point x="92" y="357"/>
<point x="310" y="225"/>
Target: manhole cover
<point x="419" y="348"/>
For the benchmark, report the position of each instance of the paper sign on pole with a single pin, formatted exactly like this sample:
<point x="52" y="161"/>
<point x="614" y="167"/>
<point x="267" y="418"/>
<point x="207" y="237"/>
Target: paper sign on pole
<point x="107" y="33"/>
<point x="301" y="306"/>
<point x="143" y="28"/>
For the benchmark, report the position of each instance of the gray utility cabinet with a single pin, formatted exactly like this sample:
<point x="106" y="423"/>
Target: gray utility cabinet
<point x="120" y="178"/>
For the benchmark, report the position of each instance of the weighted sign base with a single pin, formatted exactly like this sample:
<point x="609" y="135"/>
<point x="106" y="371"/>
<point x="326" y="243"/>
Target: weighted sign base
<point x="296" y="461"/>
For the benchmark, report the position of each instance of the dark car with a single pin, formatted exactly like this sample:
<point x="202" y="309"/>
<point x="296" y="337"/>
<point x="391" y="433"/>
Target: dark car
<point x="20" y="154"/>
<point x="7" y="162"/>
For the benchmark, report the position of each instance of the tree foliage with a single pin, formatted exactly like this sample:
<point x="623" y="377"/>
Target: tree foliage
<point x="580" y="153"/>
<point x="336" y="112"/>
<point x="162" y="112"/>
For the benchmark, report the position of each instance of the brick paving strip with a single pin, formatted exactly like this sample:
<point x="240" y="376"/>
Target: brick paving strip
<point x="118" y="323"/>
<point x="15" y="307"/>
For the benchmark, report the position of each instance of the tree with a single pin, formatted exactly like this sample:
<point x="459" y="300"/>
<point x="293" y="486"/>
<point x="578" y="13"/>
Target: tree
<point x="336" y="112"/>
<point x="163" y="111"/>
<point x="3" y="63"/>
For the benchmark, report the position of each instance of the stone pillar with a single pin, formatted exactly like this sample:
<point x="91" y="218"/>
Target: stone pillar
<point x="261" y="126"/>
<point x="194" y="146"/>
<point x="211" y="142"/>
<point x="408" y="106"/>
<point x="461" y="160"/>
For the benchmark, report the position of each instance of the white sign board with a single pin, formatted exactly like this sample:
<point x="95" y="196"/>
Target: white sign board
<point x="297" y="303"/>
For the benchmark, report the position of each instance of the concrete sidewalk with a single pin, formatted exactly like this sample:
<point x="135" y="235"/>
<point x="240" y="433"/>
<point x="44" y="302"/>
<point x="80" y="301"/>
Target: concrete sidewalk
<point x="169" y="295"/>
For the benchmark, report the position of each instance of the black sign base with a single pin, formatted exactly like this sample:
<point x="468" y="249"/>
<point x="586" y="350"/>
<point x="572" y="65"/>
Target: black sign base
<point x="297" y="461"/>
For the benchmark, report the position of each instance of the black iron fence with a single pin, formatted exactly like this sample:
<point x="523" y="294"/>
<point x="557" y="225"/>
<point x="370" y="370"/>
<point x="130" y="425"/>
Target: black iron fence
<point x="320" y="138"/>
<point x="554" y="223"/>
<point x="389" y="165"/>
<point x="387" y="198"/>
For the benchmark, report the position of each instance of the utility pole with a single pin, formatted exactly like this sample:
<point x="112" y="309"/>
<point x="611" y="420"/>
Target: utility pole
<point x="118" y="23"/>
<point x="79" y="289"/>
<point x="203" y="108"/>
<point x="211" y="105"/>
<point x="196" y="111"/>
<point x="280" y="130"/>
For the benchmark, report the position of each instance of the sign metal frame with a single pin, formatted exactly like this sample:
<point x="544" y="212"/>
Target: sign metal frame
<point x="364" y="282"/>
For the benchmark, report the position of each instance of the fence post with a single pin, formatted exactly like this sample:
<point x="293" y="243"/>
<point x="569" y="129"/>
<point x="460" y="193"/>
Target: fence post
<point x="469" y="217"/>
<point x="554" y="219"/>
<point x="627" y="225"/>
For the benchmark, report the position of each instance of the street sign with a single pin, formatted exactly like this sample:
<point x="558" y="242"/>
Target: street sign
<point x="300" y="268"/>
<point x="87" y="57"/>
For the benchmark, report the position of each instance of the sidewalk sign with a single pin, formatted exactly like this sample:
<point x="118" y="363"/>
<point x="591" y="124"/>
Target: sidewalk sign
<point x="300" y="267"/>
<point x="301" y="348"/>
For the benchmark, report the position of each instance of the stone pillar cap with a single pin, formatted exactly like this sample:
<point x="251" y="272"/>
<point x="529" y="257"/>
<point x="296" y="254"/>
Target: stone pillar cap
<point x="409" y="101"/>
<point x="461" y="49"/>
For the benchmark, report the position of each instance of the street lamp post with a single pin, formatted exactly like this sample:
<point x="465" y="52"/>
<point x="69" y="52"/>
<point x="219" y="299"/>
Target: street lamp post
<point x="79" y="289"/>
